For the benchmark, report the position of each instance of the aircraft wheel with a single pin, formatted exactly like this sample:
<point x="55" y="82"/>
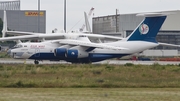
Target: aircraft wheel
<point x="36" y="62"/>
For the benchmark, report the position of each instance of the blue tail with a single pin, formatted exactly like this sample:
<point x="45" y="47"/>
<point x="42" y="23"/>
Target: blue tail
<point x="148" y="29"/>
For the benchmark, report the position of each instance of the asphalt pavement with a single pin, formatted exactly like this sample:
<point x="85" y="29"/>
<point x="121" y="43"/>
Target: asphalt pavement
<point x="117" y="62"/>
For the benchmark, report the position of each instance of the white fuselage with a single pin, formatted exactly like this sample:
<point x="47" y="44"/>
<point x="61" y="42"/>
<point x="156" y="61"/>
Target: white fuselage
<point x="45" y="50"/>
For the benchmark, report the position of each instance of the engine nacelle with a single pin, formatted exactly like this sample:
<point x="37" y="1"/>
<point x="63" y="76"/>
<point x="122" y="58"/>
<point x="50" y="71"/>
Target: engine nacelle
<point x="60" y="52"/>
<point x="74" y="53"/>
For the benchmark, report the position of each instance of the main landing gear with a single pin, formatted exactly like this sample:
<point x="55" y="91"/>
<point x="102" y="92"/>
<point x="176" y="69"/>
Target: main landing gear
<point x="36" y="62"/>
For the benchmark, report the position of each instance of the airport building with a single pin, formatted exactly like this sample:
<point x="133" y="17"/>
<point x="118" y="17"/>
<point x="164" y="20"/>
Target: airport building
<point x="23" y="20"/>
<point x="122" y="25"/>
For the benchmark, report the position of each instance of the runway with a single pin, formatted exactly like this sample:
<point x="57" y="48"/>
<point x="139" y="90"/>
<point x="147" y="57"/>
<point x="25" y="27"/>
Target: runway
<point x="27" y="61"/>
<point x="117" y="62"/>
<point x="122" y="62"/>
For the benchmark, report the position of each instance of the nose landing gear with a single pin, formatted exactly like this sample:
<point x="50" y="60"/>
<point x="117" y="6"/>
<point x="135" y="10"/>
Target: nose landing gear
<point x="36" y="62"/>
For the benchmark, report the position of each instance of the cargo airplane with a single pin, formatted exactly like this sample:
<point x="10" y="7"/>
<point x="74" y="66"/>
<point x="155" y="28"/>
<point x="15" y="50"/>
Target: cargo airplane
<point x="81" y="50"/>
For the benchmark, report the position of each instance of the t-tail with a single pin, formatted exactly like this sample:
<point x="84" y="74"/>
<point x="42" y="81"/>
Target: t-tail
<point x="148" y="28"/>
<point x="4" y="30"/>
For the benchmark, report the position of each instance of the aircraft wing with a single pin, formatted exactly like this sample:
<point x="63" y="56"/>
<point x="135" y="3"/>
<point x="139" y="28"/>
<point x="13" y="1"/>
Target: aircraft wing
<point x="35" y="36"/>
<point x="25" y="37"/>
<point x="30" y="35"/>
<point x="166" y="44"/>
<point x="19" y="33"/>
<point x="100" y="36"/>
<point x="88" y="44"/>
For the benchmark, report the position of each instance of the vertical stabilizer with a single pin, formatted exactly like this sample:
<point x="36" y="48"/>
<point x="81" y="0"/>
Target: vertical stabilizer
<point x="88" y="28"/>
<point x="4" y="25"/>
<point x="147" y="29"/>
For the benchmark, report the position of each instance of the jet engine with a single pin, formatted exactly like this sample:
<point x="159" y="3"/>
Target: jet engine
<point x="74" y="53"/>
<point x="60" y="52"/>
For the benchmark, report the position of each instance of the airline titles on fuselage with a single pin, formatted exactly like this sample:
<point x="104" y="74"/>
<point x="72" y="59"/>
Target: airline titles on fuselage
<point x="37" y="46"/>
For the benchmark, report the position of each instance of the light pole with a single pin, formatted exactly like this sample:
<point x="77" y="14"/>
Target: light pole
<point x="65" y="15"/>
<point x="38" y="16"/>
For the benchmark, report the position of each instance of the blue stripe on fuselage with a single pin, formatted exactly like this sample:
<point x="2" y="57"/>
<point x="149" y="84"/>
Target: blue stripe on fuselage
<point x="45" y="56"/>
<point x="93" y="57"/>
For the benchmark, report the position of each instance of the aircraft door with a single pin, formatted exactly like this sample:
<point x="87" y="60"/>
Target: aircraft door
<point x="37" y="52"/>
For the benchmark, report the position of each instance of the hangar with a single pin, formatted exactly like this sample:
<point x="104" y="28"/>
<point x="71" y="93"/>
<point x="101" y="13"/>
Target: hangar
<point x="123" y="24"/>
<point x="23" y="20"/>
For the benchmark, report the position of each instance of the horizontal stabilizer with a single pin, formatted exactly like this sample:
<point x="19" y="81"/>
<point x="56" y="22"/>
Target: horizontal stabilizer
<point x="155" y="14"/>
<point x="166" y="44"/>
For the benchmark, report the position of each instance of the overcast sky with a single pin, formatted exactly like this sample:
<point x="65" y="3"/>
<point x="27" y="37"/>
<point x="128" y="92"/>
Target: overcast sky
<point x="75" y="9"/>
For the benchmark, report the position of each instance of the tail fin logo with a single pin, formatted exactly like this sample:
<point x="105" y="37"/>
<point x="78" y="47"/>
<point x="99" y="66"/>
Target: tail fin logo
<point x="144" y="29"/>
